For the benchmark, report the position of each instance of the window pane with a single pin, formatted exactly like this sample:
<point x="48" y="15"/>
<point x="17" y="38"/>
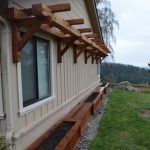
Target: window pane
<point x="28" y="68"/>
<point x="43" y="68"/>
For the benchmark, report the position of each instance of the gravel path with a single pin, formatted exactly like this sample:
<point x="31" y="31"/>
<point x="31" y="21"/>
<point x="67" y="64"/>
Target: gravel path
<point x="91" y="129"/>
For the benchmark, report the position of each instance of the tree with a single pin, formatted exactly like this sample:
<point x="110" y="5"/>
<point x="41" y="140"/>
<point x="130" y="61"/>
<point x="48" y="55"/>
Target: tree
<point x="108" y="23"/>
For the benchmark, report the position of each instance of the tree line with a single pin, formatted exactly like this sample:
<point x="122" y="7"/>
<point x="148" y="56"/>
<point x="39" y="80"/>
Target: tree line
<point x="114" y="72"/>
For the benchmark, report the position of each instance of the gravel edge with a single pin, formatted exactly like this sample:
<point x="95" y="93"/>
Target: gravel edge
<point x="92" y="126"/>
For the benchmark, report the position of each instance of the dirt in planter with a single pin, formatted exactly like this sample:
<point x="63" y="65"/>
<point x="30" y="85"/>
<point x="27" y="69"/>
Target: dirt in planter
<point x="53" y="140"/>
<point x="92" y="97"/>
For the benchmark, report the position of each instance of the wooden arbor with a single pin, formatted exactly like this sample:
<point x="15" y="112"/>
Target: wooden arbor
<point x="42" y="18"/>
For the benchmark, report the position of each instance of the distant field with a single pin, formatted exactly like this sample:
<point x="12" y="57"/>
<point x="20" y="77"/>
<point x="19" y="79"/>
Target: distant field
<point x="145" y="89"/>
<point x="122" y="126"/>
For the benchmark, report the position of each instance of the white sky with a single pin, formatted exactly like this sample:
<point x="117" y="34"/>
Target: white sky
<point x="133" y="37"/>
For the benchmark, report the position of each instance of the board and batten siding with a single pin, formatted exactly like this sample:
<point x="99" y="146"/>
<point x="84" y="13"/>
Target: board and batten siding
<point x="72" y="82"/>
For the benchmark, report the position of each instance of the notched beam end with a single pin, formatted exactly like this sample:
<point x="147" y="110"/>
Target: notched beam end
<point x="40" y="10"/>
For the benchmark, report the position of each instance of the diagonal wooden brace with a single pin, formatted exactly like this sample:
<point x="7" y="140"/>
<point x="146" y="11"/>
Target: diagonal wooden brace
<point x="19" y="42"/>
<point x="61" y="51"/>
<point x="78" y="52"/>
<point x="86" y="56"/>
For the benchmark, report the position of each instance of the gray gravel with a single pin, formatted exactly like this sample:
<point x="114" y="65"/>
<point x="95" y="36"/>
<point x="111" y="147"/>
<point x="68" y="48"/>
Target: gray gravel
<point x="91" y="128"/>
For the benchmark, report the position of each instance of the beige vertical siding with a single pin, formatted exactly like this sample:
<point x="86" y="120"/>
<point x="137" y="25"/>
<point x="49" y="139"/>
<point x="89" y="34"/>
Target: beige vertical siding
<point x="71" y="81"/>
<point x="3" y="126"/>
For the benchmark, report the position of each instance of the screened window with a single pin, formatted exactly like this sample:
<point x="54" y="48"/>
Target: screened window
<point x="35" y="71"/>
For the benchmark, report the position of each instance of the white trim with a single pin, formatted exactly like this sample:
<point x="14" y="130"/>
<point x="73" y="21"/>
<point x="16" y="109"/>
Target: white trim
<point x="27" y="109"/>
<point x="34" y="106"/>
<point x="75" y="99"/>
<point x="1" y="97"/>
<point x="6" y="79"/>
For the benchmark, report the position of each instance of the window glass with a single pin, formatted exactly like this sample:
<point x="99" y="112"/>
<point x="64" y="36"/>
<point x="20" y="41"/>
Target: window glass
<point x="35" y="70"/>
<point x="28" y="68"/>
<point x="43" y="68"/>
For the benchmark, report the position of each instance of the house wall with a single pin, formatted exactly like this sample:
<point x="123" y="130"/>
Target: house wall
<point x="72" y="82"/>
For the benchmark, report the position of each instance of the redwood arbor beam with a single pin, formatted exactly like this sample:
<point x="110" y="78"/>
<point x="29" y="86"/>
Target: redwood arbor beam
<point x="15" y="14"/>
<point x="75" y="21"/>
<point x="52" y="31"/>
<point x="54" y="8"/>
<point x="43" y="19"/>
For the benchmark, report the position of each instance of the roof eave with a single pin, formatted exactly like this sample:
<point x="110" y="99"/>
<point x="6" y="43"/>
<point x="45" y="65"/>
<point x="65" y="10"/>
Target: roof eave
<point x="93" y="14"/>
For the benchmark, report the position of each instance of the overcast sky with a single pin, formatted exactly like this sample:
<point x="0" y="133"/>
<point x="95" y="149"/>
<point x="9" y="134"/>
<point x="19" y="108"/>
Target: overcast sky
<point x="133" y="37"/>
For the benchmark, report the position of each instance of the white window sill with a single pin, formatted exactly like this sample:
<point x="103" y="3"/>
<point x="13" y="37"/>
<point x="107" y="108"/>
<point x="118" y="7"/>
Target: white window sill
<point x="34" y="106"/>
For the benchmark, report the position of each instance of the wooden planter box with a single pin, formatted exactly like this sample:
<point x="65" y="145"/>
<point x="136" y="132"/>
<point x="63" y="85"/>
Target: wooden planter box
<point x="71" y="139"/>
<point x="84" y="114"/>
<point x="95" y="101"/>
<point x="104" y="88"/>
<point x="67" y="142"/>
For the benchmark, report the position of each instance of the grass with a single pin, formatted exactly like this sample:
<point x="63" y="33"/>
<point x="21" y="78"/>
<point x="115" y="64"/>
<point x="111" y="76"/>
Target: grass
<point x="2" y="145"/>
<point x="121" y="127"/>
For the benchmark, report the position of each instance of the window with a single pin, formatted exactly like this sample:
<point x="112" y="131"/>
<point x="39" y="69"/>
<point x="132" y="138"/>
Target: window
<point x="98" y="69"/>
<point x="35" y="71"/>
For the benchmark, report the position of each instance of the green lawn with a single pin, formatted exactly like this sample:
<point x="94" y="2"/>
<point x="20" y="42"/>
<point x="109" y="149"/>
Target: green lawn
<point x="1" y="144"/>
<point x="121" y="126"/>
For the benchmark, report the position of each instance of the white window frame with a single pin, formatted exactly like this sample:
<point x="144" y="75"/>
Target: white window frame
<point x="27" y="109"/>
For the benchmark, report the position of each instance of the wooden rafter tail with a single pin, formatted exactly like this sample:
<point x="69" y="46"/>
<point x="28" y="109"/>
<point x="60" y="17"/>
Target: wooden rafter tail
<point x="15" y="14"/>
<point x="60" y="7"/>
<point x="54" y="8"/>
<point x="84" y="30"/>
<point x="64" y="26"/>
<point x="40" y="10"/>
<point x="75" y="21"/>
<point x="91" y="36"/>
<point x="96" y="40"/>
